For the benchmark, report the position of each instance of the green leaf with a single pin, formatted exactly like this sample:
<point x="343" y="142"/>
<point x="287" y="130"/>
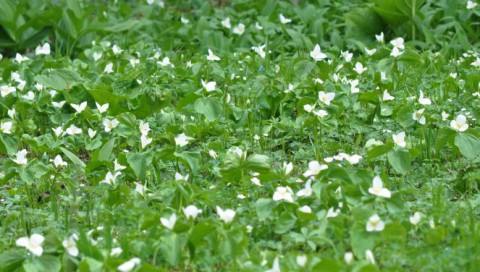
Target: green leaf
<point x="258" y="163"/>
<point x="8" y="145"/>
<point x="139" y="162"/>
<point x="285" y="222"/>
<point x="378" y="150"/>
<point x="399" y="159"/>
<point x="61" y="79"/>
<point x="395" y="232"/>
<point x="210" y="107"/>
<point x="105" y="153"/>
<point x="264" y="207"/>
<point x="192" y="159"/>
<point x="72" y="157"/>
<point x="172" y="246"/>
<point x="468" y="144"/>
<point x="90" y="265"/>
<point x="11" y="260"/>
<point x="42" y="264"/>
<point x="444" y="136"/>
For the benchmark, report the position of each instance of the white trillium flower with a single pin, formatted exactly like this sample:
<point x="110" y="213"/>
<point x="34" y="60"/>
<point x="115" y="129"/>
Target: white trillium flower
<point x="326" y="98"/>
<point x="58" y="161"/>
<point x="377" y="188"/>
<point x="58" y="131"/>
<point x="108" y="68"/>
<point x="284" y="20"/>
<point x="399" y="139"/>
<point x="144" y="128"/>
<point x="79" y="107"/>
<point x="43" y="49"/>
<point x="117" y="166"/>
<point x="212" y="154"/>
<point x="72" y="130"/>
<point x="134" y="62"/>
<point x="354" y="86"/>
<point x="314" y="168"/>
<point x="102" y="108"/>
<point x="180" y="177"/>
<point x="11" y="113"/>
<point x="169" y="223"/>
<point x="445" y="116"/>
<point x="182" y="140"/>
<point x="6" y="90"/>
<point x="415" y="219"/>
<point x="387" y="96"/>
<point x="184" y="20"/>
<point x="396" y="52"/>
<point x="305" y="209"/>
<point x="331" y="213"/>
<point x="239" y="29"/>
<point x="348" y="257"/>
<point x="116" y="49"/>
<point x="260" y="50"/>
<point x="380" y="37"/>
<point x="226" y="23"/>
<point x="6" y="127"/>
<point x="211" y="56"/>
<point x="209" y="86"/>
<point x="308" y="107"/>
<point x="369" y="256"/>
<point x="307" y="191"/>
<point x="129" y="265"/>
<point x="21" y="157"/>
<point x="59" y="104"/>
<point x="226" y="215"/>
<point x="275" y="266"/>
<point x="32" y="243"/>
<point x="19" y="58"/>
<point x="71" y="245"/>
<point x="110" y="124"/>
<point x="370" y="52"/>
<point x="97" y="56"/>
<point x="140" y="188"/>
<point x="375" y="223"/>
<point x="191" y="211"/>
<point x="317" y="54"/>
<point x="165" y="62"/>
<point x="398" y="43"/>
<point x="419" y="117"/>
<point x="110" y="178"/>
<point x="471" y="4"/>
<point x="91" y="133"/>
<point x="287" y="168"/>
<point x="144" y="140"/>
<point x="29" y="96"/>
<point x="460" y="123"/>
<point x="359" y="68"/>
<point x="347" y="55"/>
<point x="424" y="100"/>
<point x="283" y="193"/>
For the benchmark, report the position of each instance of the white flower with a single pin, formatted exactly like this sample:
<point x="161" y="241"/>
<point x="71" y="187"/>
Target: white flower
<point x="326" y="98"/>
<point x="209" y="86"/>
<point x="424" y="100"/>
<point x="398" y="43"/>
<point x="11" y="113"/>
<point x="58" y="161"/>
<point x="129" y="265"/>
<point x="116" y="49"/>
<point x="165" y="62"/>
<point x="72" y="129"/>
<point x="32" y="243"/>
<point x="144" y="140"/>
<point x="108" y="68"/>
<point x="144" y="128"/>
<point x="314" y="168"/>
<point x="354" y="86"/>
<point x="179" y="177"/>
<point x="260" y="50"/>
<point x="460" y="123"/>
<point x="396" y="52"/>
<point x="140" y="188"/>
<point x="116" y="251"/>
<point x="320" y="113"/>
<point x="256" y="181"/>
<point x="19" y="58"/>
<point x="6" y="127"/>
<point x="445" y="116"/>
<point x="275" y="266"/>
<point x="476" y="63"/>
<point x="308" y="107"/>
<point x="226" y="23"/>
<point x="134" y="62"/>
<point x="375" y="223"/>
<point x="71" y="245"/>
<point x="79" y="107"/>
<point x="258" y="26"/>
<point x="348" y="257"/>
<point x="182" y="140"/>
<point x="58" y="131"/>
<point x="471" y="5"/>
<point x="239" y="29"/>
<point x="6" y="90"/>
<point x="43" y="50"/>
<point x="191" y="211"/>
<point x="110" y="178"/>
<point x="369" y="256"/>
<point x="102" y="108"/>
<point x="354" y="159"/>
<point x="226" y="215"/>
<point x="110" y="124"/>
<point x="387" y="96"/>
<point x="211" y="56"/>
<point x="419" y="117"/>
<point x="287" y="168"/>
<point x="29" y="96"/>
<point x="331" y="213"/>
<point x="307" y="191"/>
<point x="283" y="193"/>
<point x="359" y="68"/>
<point x="91" y="133"/>
<point x="97" y="56"/>
<point x="284" y="20"/>
<point x="59" y="104"/>
<point x="415" y="219"/>
<point x="21" y="157"/>
<point x="184" y="20"/>
<point x="117" y="166"/>
<point x="377" y="188"/>
<point x="317" y="54"/>
<point x="212" y="154"/>
<point x="301" y="260"/>
<point x="399" y="139"/>
<point x="305" y="209"/>
<point x="346" y="55"/>
<point x="380" y="37"/>
<point x="169" y="223"/>
<point x="370" y="51"/>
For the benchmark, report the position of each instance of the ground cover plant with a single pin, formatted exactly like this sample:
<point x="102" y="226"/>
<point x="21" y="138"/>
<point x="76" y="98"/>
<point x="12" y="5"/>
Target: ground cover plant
<point x="239" y="135"/>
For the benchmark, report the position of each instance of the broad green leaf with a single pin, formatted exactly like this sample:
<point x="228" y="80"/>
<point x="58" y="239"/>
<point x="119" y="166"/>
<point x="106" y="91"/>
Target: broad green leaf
<point x="105" y="153"/>
<point x="468" y="144"/>
<point x="60" y="79"/>
<point x="10" y="260"/>
<point x="210" y="107"/>
<point x="139" y="163"/>
<point x="285" y="222"/>
<point x="444" y="136"/>
<point x="42" y="264"/>
<point x="378" y="150"/>
<point x="399" y="159"/>
<point x="264" y="207"/>
<point x="73" y="157"/>
<point x="258" y="163"/>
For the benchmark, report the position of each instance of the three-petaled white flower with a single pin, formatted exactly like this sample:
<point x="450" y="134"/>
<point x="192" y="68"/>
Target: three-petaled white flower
<point x="43" y="49"/>
<point x="110" y="178"/>
<point x="377" y="188"/>
<point x="21" y="157"/>
<point x="32" y="243"/>
<point x="399" y="139"/>
<point x="317" y="54"/>
<point x="79" y="107"/>
<point x="110" y="124"/>
<point x="283" y="193"/>
<point x="6" y="127"/>
<point x="191" y="211"/>
<point x="211" y="56"/>
<point x="102" y="108"/>
<point x="424" y="100"/>
<point x="314" y="168"/>
<point x="415" y="219"/>
<point x="129" y="265"/>
<point x="419" y="117"/>
<point x="284" y="20"/>
<point x="326" y="98"/>
<point x="209" y="86"/>
<point x="375" y="223"/>
<point x="460" y="123"/>
<point x="58" y="161"/>
<point x="359" y="68"/>
<point x="71" y="245"/>
<point x="226" y="215"/>
<point x="169" y="223"/>
<point x="182" y="140"/>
